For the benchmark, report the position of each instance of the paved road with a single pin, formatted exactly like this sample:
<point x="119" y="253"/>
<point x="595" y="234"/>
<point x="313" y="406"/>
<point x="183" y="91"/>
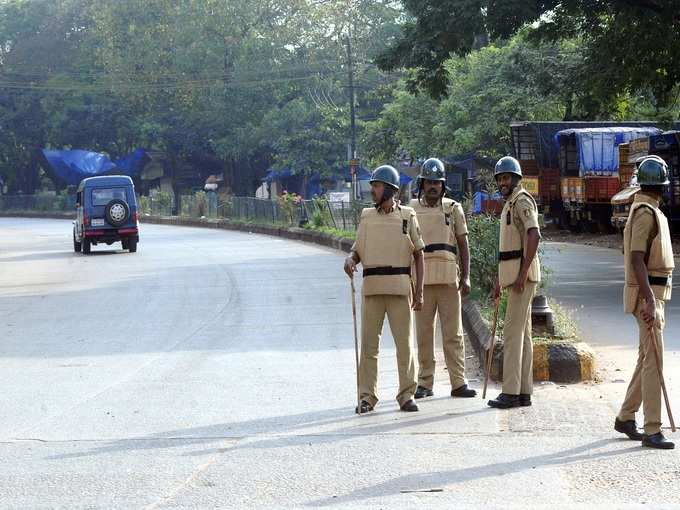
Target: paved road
<point x="216" y="369"/>
<point x="589" y="280"/>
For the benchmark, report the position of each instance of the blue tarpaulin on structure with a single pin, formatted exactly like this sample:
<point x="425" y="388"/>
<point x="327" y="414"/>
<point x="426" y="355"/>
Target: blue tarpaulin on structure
<point x="296" y="183"/>
<point x="598" y="148"/>
<point x="363" y="174"/>
<point x="72" y="166"/>
<point x="664" y="140"/>
<point x="404" y="179"/>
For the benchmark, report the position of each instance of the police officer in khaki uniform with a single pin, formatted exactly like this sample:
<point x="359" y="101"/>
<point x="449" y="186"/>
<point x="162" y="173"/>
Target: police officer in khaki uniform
<point x="519" y="272"/>
<point x="648" y="264"/>
<point x="442" y="223"/>
<point x="388" y="240"/>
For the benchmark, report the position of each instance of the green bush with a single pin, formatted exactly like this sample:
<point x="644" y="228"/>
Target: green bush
<point x="483" y="231"/>
<point x="321" y="217"/>
<point x="144" y="205"/>
<point x="161" y="202"/>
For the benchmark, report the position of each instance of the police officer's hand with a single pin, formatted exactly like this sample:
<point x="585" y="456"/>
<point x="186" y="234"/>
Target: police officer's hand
<point x="350" y="266"/>
<point x="649" y="311"/>
<point x="518" y="286"/>
<point x="465" y="287"/>
<point x="418" y="301"/>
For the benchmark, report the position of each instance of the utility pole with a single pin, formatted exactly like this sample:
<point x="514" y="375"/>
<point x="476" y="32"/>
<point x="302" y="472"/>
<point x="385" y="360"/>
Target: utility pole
<point x="353" y="162"/>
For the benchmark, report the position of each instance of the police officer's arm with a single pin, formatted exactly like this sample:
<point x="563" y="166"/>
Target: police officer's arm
<point x="528" y="215"/>
<point x="640" y="268"/>
<point x="461" y="232"/>
<point x="533" y="236"/>
<point x="353" y="258"/>
<point x="643" y="231"/>
<point x="418" y="246"/>
<point x="420" y="269"/>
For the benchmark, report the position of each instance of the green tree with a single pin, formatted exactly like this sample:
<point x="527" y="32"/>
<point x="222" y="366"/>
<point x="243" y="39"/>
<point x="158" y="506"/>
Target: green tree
<point x="627" y="46"/>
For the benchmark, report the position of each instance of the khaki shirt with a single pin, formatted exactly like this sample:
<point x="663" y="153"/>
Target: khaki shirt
<point x="413" y="232"/>
<point x="644" y="228"/>
<point x="526" y="215"/>
<point x="459" y="222"/>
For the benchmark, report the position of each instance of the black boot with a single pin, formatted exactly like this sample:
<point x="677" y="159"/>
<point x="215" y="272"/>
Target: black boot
<point x="505" y="401"/>
<point x="363" y="408"/>
<point x="524" y="399"/>
<point x="422" y="392"/>
<point x="463" y="392"/>
<point x="628" y="427"/>
<point x="657" y="441"/>
<point x="409" y="406"/>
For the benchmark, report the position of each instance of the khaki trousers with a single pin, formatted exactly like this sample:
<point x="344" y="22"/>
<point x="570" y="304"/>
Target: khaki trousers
<point x="518" y="349"/>
<point x="445" y="300"/>
<point x="398" y="310"/>
<point x="645" y="386"/>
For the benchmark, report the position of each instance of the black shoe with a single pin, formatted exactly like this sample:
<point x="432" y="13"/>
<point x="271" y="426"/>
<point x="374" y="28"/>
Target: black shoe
<point x="657" y="441"/>
<point x="463" y="392"/>
<point x="524" y="399"/>
<point x="422" y="392"/>
<point x="505" y="401"/>
<point x="409" y="406"/>
<point x="363" y="408"/>
<point x="628" y="427"/>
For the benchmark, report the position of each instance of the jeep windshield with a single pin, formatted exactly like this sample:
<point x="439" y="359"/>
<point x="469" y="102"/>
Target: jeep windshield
<point x="102" y="196"/>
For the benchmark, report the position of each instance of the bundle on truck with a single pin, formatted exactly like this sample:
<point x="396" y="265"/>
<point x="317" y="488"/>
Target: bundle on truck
<point x="666" y="145"/>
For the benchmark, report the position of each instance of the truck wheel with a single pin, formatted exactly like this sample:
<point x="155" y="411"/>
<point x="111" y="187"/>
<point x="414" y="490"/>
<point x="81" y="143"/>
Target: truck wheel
<point x="86" y="245"/>
<point x="132" y="245"/>
<point x="125" y="243"/>
<point x="76" y="245"/>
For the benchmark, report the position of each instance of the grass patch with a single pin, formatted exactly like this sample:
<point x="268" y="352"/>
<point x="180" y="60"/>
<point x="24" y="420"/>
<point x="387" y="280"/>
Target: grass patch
<point x="336" y="232"/>
<point x="566" y="329"/>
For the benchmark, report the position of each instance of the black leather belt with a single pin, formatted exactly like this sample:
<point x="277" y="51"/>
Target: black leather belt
<point x="441" y="247"/>
<point x="510" y="255"/>
<point x="662" y="281"/>
<point x="386" y="271"/>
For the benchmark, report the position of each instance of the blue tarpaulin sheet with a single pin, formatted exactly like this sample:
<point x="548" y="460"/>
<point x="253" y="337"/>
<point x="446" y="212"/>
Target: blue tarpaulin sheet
<point x="404" y="179"/>
<point x="362" y="174"/>
<point x="295" y="183"/>
<point x="598" y="148"/>
<point x="72" y="166"/>
<point x="479" y="196"/>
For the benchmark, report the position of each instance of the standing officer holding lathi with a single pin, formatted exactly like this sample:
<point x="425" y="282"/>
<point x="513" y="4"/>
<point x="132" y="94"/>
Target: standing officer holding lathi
<point x="388" y="241"/>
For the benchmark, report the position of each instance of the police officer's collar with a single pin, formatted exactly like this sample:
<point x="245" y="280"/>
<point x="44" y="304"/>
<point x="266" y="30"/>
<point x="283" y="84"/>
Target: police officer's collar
<point x="394" y="207"/>
<point x="423" y="201"/>
<point x="647" y="198"/>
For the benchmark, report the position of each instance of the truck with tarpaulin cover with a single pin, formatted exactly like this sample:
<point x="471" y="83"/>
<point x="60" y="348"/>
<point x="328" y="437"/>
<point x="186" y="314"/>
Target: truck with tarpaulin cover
<point x="589" y="173"/>
<point x="538" y="152"/>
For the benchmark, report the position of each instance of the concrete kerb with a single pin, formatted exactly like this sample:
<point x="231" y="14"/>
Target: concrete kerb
<point x="562" y="362"/>
<point x="559" y="362"/>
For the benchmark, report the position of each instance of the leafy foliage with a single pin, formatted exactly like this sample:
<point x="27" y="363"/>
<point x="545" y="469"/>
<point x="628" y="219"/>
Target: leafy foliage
<point x="626" y="46"/>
